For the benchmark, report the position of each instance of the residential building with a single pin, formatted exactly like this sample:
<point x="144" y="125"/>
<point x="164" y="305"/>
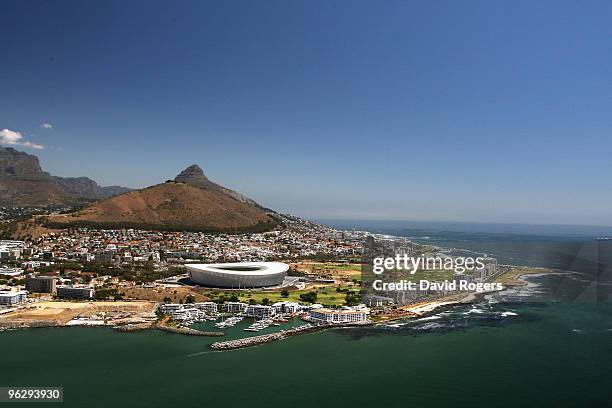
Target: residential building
<point x="234" y="307"/>
<point x="209" y="307"/>
<point x="188" y="312"/>
<point x="459" y="277"/>
<point x="287" y="307"/>
<point x="490" y="265"/>
<point x="74" y="292"/>
<point x="10" y="271"/>
<point x="10" y="253"/>
<point x="479" y="274"/>
<point x="339" y="316"/>
<point x="8" y="298"/>
<point x="375" y="300"/>
<point x="40" y="284"/>
<point x="168" y="308"/>
<point x="260" y="311"/>
<point x="104" y="257"/>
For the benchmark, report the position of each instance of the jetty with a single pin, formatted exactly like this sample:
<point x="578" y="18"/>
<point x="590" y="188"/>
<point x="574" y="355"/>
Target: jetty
<point x="188" y="331"/>
<point x="267" y="338"/>
<point x="129" y="328"/>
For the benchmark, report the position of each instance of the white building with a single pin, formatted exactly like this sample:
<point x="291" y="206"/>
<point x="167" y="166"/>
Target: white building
<point x="11" y="244"/>
<point x="260" y="311"/>
<point x="287" y="307"/>
<point x="188" y="312"/>
<point x="209" y="307"/>
<point x="35" y="264"/>
<point x="313" y="306"/>
<point x="11" y="271"/>
<point x="234" y="307"/>
<point x="8" y="298"/>
<point x="168" y="308"/>
<point x="339" y="316"/>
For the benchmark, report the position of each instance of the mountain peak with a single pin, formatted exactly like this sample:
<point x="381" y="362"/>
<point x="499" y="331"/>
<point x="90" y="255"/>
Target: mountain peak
<point x="192" y="203"/>
<point x="16" y="164"/>
<point x="194" y="176"/>
<point x="193" y="172"/>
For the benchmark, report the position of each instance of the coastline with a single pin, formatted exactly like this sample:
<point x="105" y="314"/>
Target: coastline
<point x="513" y="278"/>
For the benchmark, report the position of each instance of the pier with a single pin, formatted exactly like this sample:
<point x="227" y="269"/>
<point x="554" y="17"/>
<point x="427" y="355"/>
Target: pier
<point x="267" y="338"/>
<point x="188" y="331"/>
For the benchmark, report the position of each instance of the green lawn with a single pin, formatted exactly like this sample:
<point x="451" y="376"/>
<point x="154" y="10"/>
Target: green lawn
<point x="327" y="296"/>
<point x="336" y="266"/>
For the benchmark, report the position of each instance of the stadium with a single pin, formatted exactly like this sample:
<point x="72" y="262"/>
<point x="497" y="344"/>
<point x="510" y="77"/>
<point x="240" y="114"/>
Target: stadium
<point x="238" y="275"/>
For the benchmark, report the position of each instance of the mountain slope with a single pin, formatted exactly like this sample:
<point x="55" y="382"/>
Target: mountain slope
<point x="86" y="188"/>
<point x="194" y="204"/>
<point x="23" y="183"/>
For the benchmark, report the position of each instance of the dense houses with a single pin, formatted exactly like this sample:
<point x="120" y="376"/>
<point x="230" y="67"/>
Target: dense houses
<point x="161" y="250"/>
<point x="24" y="264"/>
<point x="120" y="247"/>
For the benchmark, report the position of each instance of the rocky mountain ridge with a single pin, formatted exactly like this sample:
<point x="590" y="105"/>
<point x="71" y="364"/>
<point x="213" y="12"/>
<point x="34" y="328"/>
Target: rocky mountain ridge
<point x="24" y="183"/>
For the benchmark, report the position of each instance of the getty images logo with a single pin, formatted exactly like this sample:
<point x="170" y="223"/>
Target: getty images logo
<point x="411" y="264"/>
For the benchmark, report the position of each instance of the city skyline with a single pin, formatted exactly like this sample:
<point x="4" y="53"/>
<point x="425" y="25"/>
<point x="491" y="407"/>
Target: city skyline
<point x="489" y="112"/>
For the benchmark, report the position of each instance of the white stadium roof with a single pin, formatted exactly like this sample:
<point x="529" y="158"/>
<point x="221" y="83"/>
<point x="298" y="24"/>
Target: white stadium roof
<point x="240" y="274"/>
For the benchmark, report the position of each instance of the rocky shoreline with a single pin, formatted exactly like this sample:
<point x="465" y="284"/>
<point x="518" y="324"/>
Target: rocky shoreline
<point x="28" y="325"/>
<point x="442" y="304"/>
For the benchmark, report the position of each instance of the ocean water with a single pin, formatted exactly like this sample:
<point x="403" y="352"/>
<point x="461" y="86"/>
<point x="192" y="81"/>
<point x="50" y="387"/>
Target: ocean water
<point x="516" y="349"/>
<point x="564" y="247"/>
<point x="548" y="344"/>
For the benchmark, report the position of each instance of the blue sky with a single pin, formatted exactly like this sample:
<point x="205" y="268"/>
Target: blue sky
<point x="465" y="111"/>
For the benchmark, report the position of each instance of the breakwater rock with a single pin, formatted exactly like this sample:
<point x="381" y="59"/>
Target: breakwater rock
<point x="128" y="328"/>
<point x="266" y="338"/>
<point x="188" y="331"/>
<point x="24" y="324"/>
